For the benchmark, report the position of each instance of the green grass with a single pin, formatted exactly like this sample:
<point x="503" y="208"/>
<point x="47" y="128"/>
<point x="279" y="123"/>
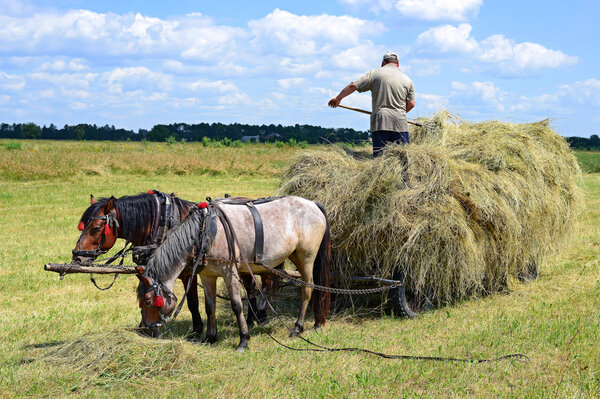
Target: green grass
<point x="589" y="161"/>
<point x="64" y="337"/>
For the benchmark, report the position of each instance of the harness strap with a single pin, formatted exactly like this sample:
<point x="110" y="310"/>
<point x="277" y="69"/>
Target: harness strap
<point x="259" y="236"/>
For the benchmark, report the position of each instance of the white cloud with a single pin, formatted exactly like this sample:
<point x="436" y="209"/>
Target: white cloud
<point x="136" y="78"/>
<point x="486" y="92"/>
<point x="301" y="35"/>
<point x="448" y="38"/>
<point x="433" y="102"/>
<point x="508" y="57"/>
<point x="60" y="65"/>
<point x="80" y="81"/>
<point x="290" y="82"/>
<point x="11" y="82"/>
<point x="457" y="10"/>
<point x="581" y="92"/>
<point x="219" y="86"/>
<point x="86" y="32"/>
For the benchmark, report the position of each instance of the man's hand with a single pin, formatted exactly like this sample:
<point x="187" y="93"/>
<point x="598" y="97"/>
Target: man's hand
<point x="335" y="101"/>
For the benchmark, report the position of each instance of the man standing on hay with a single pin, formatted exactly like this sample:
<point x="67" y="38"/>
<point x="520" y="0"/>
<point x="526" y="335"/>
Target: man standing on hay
<point x="392" y="96"/>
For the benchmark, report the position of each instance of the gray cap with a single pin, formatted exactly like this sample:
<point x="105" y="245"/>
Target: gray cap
<point x="390" y="55"/>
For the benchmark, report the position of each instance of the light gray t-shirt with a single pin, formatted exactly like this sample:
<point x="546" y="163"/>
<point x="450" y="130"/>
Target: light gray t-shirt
<point x="390" y="89"/>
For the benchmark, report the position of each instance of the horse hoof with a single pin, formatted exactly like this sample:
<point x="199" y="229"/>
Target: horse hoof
<point x="195" y="337"/>
<point x="209" y="340"/>
<point x="241" y="348"/>
<point x="296" y="331"/>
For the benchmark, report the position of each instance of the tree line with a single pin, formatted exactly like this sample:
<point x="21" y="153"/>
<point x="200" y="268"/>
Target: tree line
<point x="582" y="143"/>
<point x="214" y="131"/>
<point x="188" y="132"/>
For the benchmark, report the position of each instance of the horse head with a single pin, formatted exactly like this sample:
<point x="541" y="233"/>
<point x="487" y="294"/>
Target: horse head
<point x="99" y="229"/>
<point x="156" y="302"/>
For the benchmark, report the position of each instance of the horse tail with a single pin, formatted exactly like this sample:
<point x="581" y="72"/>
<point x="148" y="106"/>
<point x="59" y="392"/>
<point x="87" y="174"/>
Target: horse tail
<point x="321" y="300"/>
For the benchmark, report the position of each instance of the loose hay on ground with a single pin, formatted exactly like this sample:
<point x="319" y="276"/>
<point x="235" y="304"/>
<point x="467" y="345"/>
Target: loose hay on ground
<point x="459" y="211"/>
<point x="115" y="356"/>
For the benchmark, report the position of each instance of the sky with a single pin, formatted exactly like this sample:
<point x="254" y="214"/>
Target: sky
<point x="134" y="64"/>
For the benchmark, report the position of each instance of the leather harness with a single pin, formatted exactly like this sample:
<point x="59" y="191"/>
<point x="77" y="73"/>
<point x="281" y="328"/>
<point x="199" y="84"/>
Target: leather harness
<point x="259" y="235"/>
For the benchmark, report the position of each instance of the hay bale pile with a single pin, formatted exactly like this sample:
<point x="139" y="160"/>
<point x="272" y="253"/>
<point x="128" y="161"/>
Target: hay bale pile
<point x="459" y="211"/>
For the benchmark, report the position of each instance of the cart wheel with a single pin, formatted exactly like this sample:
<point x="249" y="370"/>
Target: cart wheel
<point x="399" y="303"/>
<point x="531" y="273"/>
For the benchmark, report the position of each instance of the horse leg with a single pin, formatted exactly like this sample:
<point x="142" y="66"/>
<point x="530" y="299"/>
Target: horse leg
<point x="251" y="295"/>
<point x="231" y="278"/>
<point x="192" y="302"/>
<point x="270" y="285"/>
<point x="305" y="269"/>
<point x="210" y="301"/>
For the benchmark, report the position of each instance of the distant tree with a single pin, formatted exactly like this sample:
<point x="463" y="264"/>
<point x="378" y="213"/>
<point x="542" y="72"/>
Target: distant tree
<point x="159" y="133"/>
<point x="80" y="132"/>
<point x="31" y="131"/>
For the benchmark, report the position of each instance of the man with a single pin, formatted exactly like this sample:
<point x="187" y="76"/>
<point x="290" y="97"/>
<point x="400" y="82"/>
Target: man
<point x="392" y="96"/>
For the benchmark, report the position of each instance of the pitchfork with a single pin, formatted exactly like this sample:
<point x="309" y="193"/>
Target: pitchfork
<point x="429" y="126"/>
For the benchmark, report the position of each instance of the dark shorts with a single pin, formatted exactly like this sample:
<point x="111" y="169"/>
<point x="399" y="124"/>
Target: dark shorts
<point x="383" y="137"/>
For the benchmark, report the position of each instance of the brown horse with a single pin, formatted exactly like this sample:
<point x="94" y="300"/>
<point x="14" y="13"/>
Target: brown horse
<point x="143" y="220"/>
<point x="294" y="228"/>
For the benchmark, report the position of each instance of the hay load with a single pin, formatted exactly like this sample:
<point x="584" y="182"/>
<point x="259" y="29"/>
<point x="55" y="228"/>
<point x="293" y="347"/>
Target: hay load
<point x="458" y="212"/>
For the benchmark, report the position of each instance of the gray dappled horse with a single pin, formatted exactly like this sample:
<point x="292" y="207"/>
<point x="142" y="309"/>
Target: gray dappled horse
<point x="294" y="228"/>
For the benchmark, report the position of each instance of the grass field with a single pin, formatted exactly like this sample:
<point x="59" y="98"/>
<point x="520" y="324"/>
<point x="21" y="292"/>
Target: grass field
<point x="61" y="338"/>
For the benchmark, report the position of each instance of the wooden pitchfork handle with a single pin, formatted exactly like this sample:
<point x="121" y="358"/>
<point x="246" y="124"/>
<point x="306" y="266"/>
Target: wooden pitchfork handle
<point x="369" y="113"/>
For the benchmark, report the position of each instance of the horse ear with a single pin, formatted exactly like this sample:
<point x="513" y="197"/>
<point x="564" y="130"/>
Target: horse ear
<point x="145" y="279"/>
<point x="110" y="204"/>
<point x="92" y="199"/>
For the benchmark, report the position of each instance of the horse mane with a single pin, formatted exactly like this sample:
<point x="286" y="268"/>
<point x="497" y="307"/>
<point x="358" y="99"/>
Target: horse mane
<point x="135" y="211"/>
<point x="175" y="249"/>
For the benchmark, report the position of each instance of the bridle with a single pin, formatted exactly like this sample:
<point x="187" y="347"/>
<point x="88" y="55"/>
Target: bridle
<point x="158" y="287"/>
<point x="110" y="221"/>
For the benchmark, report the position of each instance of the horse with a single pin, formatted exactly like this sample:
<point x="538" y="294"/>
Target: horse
<point x="143" y="220"/>
<point x="294" y="228"/>
<point x="137" y="219"/>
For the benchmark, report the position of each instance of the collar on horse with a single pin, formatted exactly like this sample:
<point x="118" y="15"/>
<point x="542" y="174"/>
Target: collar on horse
<point x="165" y="219"/>
<point x="110" y="222"/>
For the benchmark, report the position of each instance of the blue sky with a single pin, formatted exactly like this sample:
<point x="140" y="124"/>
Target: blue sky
<point x="137" y="63"/>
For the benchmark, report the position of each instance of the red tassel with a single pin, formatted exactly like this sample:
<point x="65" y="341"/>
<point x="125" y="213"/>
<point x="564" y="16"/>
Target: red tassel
<point x="159" y="301"/>
<point x="106" y="229"/>
<point x="150" y="192"/>
<point x="81" y="226"/>
<point x="203" y="205"/>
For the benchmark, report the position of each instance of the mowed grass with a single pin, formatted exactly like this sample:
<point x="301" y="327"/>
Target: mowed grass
<point x="60" y="338"/>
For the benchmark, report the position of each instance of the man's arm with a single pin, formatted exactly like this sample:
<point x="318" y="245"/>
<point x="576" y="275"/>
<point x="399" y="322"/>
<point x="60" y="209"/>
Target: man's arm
<point x="410" y="105"/>
<point x="335" y="101"/>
